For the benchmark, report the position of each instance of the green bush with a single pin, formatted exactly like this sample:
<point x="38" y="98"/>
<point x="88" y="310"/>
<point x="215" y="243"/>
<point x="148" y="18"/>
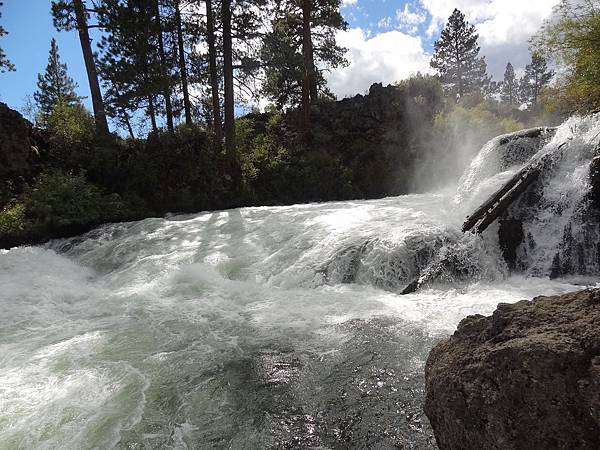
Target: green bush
<point x="70" y="125"/>
<point x="58" y="203"/>
<point x="12" y="221"/>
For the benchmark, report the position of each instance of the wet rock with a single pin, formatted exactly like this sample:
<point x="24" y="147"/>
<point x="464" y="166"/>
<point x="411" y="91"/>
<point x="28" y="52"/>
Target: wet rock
<point x="527" y="377"/>
<point x="510" y="236"/>
<point x="594" y="175"/>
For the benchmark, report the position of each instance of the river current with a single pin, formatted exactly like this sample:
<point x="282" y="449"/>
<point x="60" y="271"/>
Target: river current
<point x="257" y="328"/>
<point x="218" y="331"/>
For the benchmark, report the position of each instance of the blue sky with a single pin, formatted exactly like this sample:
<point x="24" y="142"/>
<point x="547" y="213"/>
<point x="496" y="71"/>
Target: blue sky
<point x="387" y="40"/>
<point x="30" y="29"/>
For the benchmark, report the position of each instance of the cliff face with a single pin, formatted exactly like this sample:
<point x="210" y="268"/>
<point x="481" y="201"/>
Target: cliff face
<point x="378" y="137"/>
<point x="527" y="377"/>
<point x="19" y="143"/>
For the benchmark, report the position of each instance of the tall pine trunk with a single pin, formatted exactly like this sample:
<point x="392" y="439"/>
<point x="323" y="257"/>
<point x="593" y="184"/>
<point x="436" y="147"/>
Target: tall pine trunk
<point x="182" y="67"/>
<point x="124" y="114"/>
<point x="228" y="80"/>
<point x="90" y="67"/>
<point x="212" y="67"/>
<point x="308" y="80"/>
<point x="127" y="123"/>
<point x="152" y="114"/>
<point x="163" y="67"/>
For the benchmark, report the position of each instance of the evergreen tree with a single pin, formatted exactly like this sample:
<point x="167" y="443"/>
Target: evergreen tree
<point x="5" y="64"/>
<point x="535" y="78"/>
<point x="456" y="58"/>
<point x="54" y="86"/>
<point x="73" y="14"/>
<point x="215" y="102"/>
<point x="509" y="91"/>
<point x="134" y="73"/>
<point x="298" y="50"/>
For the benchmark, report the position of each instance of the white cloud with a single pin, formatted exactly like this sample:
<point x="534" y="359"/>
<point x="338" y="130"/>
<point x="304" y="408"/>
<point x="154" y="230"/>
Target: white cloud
<point x="348" y="2"/>
<point x="409" y="17"/>
<point x="504" y="26"/>
<point x="385" y="23"/>
<point x="410" y="20"/>
<point x="386" y="58"/>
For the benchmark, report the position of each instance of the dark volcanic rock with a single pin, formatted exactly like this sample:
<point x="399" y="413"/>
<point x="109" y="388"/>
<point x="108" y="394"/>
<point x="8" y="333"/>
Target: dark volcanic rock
<point x="18" y="144"/>
<point x="527" y="377"/>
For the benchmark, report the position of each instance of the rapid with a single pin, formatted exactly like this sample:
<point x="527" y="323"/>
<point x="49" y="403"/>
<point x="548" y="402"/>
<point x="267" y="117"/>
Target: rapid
<point x="269" y="327"/>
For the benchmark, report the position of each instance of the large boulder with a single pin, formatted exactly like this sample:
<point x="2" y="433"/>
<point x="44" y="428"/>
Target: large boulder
<point x="527" y="377"/>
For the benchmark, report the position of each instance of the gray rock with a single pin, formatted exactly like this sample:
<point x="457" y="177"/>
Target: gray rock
<point x="527" y="377"/>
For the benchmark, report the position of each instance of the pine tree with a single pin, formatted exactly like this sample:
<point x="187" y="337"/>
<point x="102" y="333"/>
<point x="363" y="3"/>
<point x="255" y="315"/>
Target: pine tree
<point x="535" y="78"/>
<point x="5" y="64"/>
<point x="73" y="14"/>
<point x="509" y="91"/>
<point x="456" y="58"/>
<point x="134" y="73"/>
<point x="229" y="99"/>
<point x="187" y="105"/>
<point x="302" y="35"/>
<point x="54" y="86"/>
<point x="213" y="76"/>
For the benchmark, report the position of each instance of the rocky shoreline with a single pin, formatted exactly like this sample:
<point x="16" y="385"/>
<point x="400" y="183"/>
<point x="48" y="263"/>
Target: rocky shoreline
<point x="526" y="377"/>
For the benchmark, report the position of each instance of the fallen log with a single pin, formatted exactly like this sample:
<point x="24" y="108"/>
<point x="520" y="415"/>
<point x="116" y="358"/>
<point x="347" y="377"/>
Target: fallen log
<point x="500" y="200"/>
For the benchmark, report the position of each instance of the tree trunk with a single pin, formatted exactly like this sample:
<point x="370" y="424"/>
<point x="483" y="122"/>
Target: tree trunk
<point x="214" y="80"/>
<point x="152" y="114"/>
<point x="123" y="110"/>
<point x="90" y="66"/>
<point x="228" y="80"/>
<point x="307" y="82"/>
<point x="182" y="67"/>
<point x="128" y="123"/>
<point x="163" y="66"/>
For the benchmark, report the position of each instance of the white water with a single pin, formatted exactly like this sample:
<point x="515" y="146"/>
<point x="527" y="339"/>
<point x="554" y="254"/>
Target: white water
<point x="277" y="327"/>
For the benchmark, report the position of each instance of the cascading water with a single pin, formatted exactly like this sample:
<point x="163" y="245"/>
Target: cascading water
<point x="268" y="327"/>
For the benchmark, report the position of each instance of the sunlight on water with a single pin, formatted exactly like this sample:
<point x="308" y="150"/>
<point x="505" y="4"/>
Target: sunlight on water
<point x="268" y="327"/>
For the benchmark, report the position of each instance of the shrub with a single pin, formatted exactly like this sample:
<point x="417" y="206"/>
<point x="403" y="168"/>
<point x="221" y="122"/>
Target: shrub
<point x="57" y="202"/>
<point x="12" y="221"/>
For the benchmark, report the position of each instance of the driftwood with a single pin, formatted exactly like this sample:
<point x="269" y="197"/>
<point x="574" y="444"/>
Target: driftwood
<point x="489" y="211"/>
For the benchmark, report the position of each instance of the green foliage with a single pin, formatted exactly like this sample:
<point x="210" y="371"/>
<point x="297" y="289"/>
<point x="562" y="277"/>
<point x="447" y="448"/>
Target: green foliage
<point x="573" y="40"/>
<point x="12" y="221"/>
<point x="55" y="86"/>
<point x="5" y="64"/>
<point x="487" y="118"/>
<point x="456" y="58"/>
<point x="58" y="200"/>
<point x="536" y="77"/>
<point x="509" y="89"/>
<point x="282" y="51"/>
<point x="70" y="125"/>
<point x="55" y="203"/>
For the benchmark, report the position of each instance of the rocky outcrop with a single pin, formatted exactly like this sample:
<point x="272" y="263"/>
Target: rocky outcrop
<point x="19" y="143"/>
<point x="527" y="377"/>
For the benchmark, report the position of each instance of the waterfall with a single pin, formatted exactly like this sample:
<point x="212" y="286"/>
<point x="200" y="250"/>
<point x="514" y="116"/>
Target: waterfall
<point x="556" y="214"/>
<point x="278" y="327"/>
